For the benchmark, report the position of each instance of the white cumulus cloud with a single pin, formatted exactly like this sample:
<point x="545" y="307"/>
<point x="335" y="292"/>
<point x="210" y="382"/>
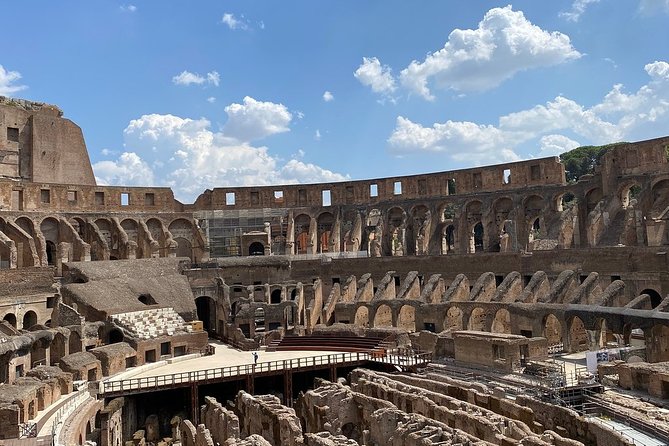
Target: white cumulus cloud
<point x="255" y="120"/>
<point x="233" y="22"/>
<point x="577" y="10"/>
<point x="187" y="78"/>
<point x="379" y="77"/>
<point x="504" y="43"/>
<point x="187" y="155"/>
<point x="653" y="6"/>
<point x="328" y="96"/>
<point x="128" y="8"/>
<point x="550" y="128"/>
<point x="8" y="84"/>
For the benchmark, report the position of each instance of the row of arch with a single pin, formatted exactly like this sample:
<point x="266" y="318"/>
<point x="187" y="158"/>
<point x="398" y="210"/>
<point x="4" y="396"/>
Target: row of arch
<point x="40" y="242"/>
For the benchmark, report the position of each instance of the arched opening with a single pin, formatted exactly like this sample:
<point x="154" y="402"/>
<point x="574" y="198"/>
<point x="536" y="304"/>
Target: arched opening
<point x="57" y="350"/>
<point x="477" y="237"/>
<point x="448" y="241"/>
<point x="629" y="194"/>
<point x="578" y="336"/>
<point x="362" y="317"/>
<point x="535" y="230"/>
<point x="592" y="198"/>
<point x="275" y="297"/>
<point x="206" y="312"/>
<point x="406" y="319"/>
<point x="383" y="316"/>
<point x="502" y="322"/>
<point x="146" y="299"/>
<point x="11" y="319"/>
<point x="302" y="242"/>
<point x="396" y="225"/>
<point x="37" y="354"/>
<point x="293" y="294"/>
<point x="553" y="333"/>
<point x="29" y="319"/>
<point x="74" y="343"/>
<point x="655" y="297"/>
<point x="419" y="231"/>
<point x="633" y="336"/>
<point x="256" y="249"/>
<point x="115" y="336"/>
<point x="606" y="337"/>
<point x="477" y="320"/>
<point x="51" y="253"/>
<point x="184" y="248"/>
<point x="453" y="320"/>
<point x="325" y="223"/>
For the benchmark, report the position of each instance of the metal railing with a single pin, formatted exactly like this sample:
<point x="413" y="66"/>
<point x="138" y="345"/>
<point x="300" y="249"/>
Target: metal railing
<point x="398" y="357"/>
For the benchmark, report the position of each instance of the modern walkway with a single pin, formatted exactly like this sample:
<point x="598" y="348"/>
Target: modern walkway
<point x="228" y="364"/>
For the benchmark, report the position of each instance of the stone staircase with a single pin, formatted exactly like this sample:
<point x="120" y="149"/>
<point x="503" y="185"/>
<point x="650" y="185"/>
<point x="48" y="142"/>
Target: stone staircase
<point x="153" y="323"/>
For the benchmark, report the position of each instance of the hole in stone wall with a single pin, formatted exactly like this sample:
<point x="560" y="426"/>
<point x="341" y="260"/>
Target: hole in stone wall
<point x="373" y="190"/>
<point x="125" y="199"/>
<point x="229" y="198"/>
<point x="397" y="188"/>
<point x="146" y="299"/>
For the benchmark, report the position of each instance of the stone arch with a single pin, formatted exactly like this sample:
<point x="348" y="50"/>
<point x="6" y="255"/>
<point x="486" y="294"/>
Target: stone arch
<point x="184" y="248"/>
<point x="131" y="228"/>
<point x="655" y="297"/>
<point x="633" y="336"/>
<point x="383" y="317"/>
<point x="552" y="331"/>
<point x="27" y="225"/>
<point x="182" y="233"/>
<point x="11" y="319"/>
<point x="628" y="192"/>
<point x="29" y="319"/>
<point x="275" y="296"/>
<point x="448" y="242"/>
<point x="206" y="312"/>
<point x="660" y="192"/>
<point x="324" y="224"/>
<point x="57" y="349"/>
<point x="50" y="229"/>
<point x="476" y="236"/>
<point x="362" y="316"/>
<point x="478" y="319"/>
<point x="37" y="354"/>
<point x="406" y="319"/>
<point x="256" y="249"/>
<point x="453" y="320"/>
<point x="578" y="335"/>
<point x="592" y="198"/>
<point x="74" y="342"/>
<point x="396" y="231"/>
<point x="502" y="322"/>
<point x="115" y="336"/>
<point x="418" y="231"/>
<point x="301" y="224"/>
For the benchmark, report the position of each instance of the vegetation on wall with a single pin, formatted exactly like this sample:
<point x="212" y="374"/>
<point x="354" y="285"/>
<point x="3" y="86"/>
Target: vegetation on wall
<point x="582" y="160"/>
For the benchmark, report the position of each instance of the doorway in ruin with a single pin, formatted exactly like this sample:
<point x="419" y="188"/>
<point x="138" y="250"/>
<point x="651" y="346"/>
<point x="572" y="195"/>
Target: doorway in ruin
<point x="11" y="319"/>
<point x="29" y="319"/>
<point x="383" y="316"/>
<point x="259" y="319"/>
<point x="115" y="336"/>
<point x="302" y="224"/>
<point x="74" y="342"/>
<point x="275" y="297"/>
<point x="655" y="297"/>
<point x="325" y="223"/>
<point x="502" y="322"/>
<point x="57" y="350"/>
<point x="453" y="320"/>
<point x="50" y="252"/>
<point x="578" y="336"/>
<point x="256" y="249"/>
<point x="448" y="240"/>
<point x="206" y="312"/>
<point x="184" y="248"/>
<point x="477" y="320"/>
<point x="553" y="332"/>
<point x="633" y="336"/>
<point x="362" y="317"/>
<point x="477" y="237"/>
<point x="406" y="319"/>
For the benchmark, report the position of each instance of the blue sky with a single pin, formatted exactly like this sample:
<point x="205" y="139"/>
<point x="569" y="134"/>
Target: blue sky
<point x="195" y="95"/>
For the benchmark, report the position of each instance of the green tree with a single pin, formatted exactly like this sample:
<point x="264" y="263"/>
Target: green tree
<point x="582" y="160"/>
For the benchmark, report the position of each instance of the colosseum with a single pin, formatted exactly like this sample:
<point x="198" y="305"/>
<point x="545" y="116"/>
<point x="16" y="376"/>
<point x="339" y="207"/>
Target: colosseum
<point x="496" y="305"/>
